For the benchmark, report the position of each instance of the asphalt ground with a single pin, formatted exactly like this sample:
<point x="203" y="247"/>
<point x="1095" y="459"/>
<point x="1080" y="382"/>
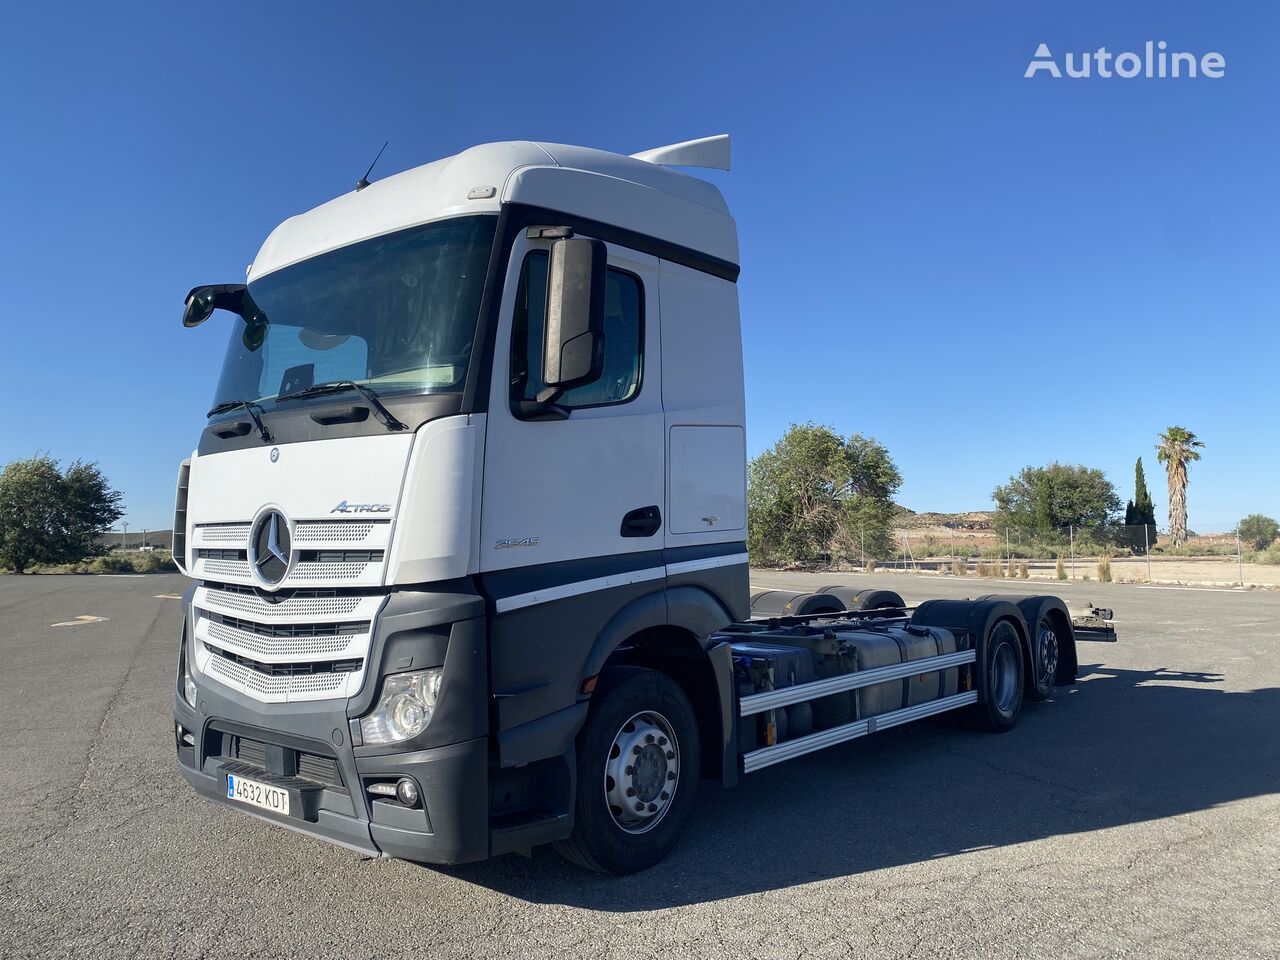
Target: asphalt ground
<point x="1136" y="814"/>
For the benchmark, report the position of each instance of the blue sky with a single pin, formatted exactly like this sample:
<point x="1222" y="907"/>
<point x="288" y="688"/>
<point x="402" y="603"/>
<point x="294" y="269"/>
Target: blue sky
<point x="981" y="270"/>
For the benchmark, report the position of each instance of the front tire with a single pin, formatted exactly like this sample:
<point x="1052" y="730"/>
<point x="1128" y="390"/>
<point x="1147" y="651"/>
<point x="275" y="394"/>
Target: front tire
<point x="638" y="764"/>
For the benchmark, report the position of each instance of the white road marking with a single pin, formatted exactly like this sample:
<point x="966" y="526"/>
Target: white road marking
<point x="168" y="596"/>
<point x="80" y="621"/>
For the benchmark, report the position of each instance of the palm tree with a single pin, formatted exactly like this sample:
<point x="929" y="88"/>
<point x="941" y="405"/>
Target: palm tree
<point x="1176" y="449"/>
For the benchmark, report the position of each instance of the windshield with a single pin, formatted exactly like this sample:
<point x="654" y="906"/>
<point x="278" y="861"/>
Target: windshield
<point x="396" y="312"/>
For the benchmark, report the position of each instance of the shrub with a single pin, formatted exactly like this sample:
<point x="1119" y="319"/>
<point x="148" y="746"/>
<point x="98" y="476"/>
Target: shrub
<point x="1271" y="555"/>
<point x="959" y="568"/>
<point x="1104" y="569"/>
<point x="1024" y="572"/>
<point x="1060" y="569"/>
<point x="1258" y="531"/>
<point x="871" y="566"/>
<point x="111" y="563"/>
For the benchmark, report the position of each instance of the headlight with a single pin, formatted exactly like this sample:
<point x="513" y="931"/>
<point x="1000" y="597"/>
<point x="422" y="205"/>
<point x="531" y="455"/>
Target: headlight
<point x="185" y="680"/>
<point x="405" y="708"/>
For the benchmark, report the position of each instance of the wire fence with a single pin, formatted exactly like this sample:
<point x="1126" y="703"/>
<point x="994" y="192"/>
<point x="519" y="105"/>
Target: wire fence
<point x="1114" y="552"/>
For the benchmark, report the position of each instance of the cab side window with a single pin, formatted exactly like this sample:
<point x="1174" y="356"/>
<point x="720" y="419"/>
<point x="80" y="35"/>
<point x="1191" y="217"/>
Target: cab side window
<point x="623" y="338"/>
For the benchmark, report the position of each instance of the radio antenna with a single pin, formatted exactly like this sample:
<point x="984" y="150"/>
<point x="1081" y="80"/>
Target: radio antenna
<point x="364" y="181"/>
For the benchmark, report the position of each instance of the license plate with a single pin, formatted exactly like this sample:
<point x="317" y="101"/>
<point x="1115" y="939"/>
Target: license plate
<point x="257" y="794"/>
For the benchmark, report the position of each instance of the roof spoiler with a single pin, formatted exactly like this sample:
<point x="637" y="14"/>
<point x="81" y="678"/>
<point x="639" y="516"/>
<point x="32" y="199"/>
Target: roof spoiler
<point x="710" y="152"/>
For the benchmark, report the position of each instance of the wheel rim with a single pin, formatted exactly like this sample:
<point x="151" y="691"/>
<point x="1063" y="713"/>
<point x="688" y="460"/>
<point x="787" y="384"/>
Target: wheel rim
<point x="642" y="772"/>
<point x="1048" y="652"/>
<point x="1004" y="678"/>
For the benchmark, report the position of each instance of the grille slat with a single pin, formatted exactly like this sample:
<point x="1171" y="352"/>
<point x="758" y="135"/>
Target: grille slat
<point x="302" y="604"/>
<point x="335" y="531"/>
<point x="223" y="532"/>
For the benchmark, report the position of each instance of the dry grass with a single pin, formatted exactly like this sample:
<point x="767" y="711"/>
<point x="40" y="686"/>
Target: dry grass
<point x="1104" y="570"/>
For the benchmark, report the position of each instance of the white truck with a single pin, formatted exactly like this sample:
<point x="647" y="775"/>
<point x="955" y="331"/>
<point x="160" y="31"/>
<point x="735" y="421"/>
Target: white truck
<point x="466" y="529"/>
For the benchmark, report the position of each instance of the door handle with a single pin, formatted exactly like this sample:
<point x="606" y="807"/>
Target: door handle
<point x="641" y="522"/>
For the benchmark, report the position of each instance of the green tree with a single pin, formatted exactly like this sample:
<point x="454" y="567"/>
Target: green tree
<point x="815" y="494"/>
<point x="1177" y="450"/>
<point x="1044" y="499"/>
<point x="1139" y="513"/>
<point x="1258" y="531"/>
<point x="47" y="516"/>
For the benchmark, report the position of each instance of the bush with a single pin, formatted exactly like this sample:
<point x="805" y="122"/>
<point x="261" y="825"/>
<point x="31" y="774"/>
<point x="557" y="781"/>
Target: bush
<point x="871" y="566"/>
<point x="1104" y="569"/>
<point x="1258" y="531"/>
<point x="1271" y="555"/>
<point x="959" y="567"/>
<point x="1060" y="569"/>
<point x="1024" y="572"/>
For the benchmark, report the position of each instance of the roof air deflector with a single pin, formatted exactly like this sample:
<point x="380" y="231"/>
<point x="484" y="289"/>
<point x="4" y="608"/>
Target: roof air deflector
<point x="710" y="152"/>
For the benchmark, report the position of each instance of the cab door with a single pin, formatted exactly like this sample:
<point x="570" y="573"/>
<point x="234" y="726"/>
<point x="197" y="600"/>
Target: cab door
<point x="585" y="492"/>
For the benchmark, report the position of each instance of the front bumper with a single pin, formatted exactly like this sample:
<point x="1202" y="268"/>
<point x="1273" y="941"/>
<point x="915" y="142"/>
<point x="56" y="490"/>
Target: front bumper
<point x="449" y="826"/>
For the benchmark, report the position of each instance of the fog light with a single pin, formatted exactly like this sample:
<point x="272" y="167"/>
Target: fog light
<point x="407" y="792"/>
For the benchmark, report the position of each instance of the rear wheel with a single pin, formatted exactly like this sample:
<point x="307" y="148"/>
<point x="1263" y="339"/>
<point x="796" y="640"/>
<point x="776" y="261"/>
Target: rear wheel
<point x="1004" y="681"/>
<point x="1044" y="661"/>
<point x="638" y="768"/>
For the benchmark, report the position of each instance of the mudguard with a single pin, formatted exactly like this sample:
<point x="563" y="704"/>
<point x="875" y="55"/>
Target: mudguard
<point x="1052" y="608"/>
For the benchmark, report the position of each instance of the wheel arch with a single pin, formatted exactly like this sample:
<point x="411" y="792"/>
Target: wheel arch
<point x="670" y="631"/>
<point x="1047" y="606"/>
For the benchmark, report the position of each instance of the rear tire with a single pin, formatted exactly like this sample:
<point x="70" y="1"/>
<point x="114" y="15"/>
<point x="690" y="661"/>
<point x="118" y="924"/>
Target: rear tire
<point x="1045" y="654"/>
<point x="1003" y="670"/>
<point x="638" y="764"/>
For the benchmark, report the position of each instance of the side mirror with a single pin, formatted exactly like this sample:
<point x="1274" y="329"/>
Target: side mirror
<point x="202" y="301"/>
<point x="573" y="335"/>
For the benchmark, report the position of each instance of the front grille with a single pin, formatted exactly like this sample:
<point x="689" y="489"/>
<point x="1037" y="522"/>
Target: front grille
<point x="341" y="552"/>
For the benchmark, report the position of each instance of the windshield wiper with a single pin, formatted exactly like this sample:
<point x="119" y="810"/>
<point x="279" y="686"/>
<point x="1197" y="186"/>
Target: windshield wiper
<point x="341" y="386"/>
<point x="249" y="408"/>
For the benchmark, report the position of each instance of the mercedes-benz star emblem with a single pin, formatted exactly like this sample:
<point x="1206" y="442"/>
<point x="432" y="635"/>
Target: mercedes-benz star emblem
<point x="275" y="454"/>
<point x="269" y="547"/>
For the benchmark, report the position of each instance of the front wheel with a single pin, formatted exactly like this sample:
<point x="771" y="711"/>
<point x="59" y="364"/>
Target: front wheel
<point x="638" y="767"/>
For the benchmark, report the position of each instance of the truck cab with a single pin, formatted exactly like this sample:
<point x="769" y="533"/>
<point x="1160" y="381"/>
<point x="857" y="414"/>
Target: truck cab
<point x="472" y="488"/>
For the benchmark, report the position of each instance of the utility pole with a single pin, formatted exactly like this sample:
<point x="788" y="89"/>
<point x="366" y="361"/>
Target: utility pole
<point x="1239" y="558"/>
<point x="124" y="537"/>
<point x="1146" y="540"/>
<point x="1072" y="530"/>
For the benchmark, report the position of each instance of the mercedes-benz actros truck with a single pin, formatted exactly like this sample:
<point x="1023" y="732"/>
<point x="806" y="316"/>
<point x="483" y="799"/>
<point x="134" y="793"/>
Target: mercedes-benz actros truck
<point x="467" y="529"/>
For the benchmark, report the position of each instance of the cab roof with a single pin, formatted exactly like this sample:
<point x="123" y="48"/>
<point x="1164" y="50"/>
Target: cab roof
<point x="637" y="194"/>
